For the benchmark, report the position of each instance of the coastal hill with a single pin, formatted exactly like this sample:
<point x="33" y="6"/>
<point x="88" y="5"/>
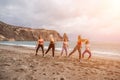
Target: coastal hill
<point x="16" y="33"/>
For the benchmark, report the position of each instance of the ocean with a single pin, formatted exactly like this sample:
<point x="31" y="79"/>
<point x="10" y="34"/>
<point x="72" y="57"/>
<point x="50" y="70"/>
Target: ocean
<point x="98" y="49"/>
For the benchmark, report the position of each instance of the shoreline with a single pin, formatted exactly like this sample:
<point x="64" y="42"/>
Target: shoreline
<point x="95" y="54"/>
<point x="20" y="63"/>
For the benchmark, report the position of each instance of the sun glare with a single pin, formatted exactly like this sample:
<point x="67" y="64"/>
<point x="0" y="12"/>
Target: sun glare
<point x="114" y="5"/>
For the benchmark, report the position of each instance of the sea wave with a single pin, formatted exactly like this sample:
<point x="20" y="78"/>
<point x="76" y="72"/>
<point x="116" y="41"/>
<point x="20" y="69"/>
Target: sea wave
<point x="104" y="53"/>
<point x="94" y="52"/>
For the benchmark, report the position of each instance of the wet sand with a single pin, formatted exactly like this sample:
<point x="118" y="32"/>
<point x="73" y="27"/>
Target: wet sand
<point x="20" y="63"/>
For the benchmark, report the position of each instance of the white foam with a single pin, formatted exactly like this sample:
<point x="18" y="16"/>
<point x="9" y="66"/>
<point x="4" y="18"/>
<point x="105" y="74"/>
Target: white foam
<point x="94" y="52"/>
<point x="8" y="44"/>
<point x="18" y="44"/>
<point x="105" y="53"/>
<point x="27" y="45"/>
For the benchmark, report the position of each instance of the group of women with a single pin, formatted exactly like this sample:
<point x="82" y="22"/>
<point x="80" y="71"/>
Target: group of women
<point x="40" y="43"/>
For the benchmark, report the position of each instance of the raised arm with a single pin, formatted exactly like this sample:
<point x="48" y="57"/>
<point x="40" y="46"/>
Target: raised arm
<point x="83" y="40"/>
<point x="37" y="42"/>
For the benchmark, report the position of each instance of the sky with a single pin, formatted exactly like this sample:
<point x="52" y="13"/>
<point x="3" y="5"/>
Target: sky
<point x="97" y="20"/>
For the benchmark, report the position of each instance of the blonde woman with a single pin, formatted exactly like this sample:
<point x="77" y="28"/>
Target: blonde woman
<point x="77" y="47"/>
<point x="51" y="45"/>
<point x="65" y="46"/>
<point x="87" y="49"/>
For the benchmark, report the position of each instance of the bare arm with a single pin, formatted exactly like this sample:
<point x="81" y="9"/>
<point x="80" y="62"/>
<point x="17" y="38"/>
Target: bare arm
<point x="83" y="40"/>
<point x="36" y="44"/>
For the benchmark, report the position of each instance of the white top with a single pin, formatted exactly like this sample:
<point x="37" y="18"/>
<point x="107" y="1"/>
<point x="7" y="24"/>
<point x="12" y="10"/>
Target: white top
<point x="65" y="43"/>
<point x="87" y="46"/>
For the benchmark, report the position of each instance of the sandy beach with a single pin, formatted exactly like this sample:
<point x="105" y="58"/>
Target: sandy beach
<point x="20" y="63"/>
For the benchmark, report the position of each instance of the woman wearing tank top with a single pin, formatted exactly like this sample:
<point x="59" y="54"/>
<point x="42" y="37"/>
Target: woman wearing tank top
<point x="77" y="47"/>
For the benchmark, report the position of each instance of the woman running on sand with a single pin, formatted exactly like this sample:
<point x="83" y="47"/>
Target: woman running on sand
<point x="51" y="45"/>
<point x="40" y="43"/>
<point x="77" y="47"/>
<point x="87" y="49"/>
<point x="65" y="46"/>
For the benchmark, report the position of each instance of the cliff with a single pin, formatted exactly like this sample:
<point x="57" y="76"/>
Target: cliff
<point x="16" y="33"/>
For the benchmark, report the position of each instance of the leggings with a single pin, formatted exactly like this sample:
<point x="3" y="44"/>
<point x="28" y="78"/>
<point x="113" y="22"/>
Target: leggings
<point x="64" y="48"/>
<point x="51" y="45"/>
<point x="76" y="48"/>
<point x="86" y="51"/>
<point x="41" y="48"/>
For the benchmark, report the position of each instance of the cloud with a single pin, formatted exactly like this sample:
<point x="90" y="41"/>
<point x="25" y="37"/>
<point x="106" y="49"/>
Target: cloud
<point x="90" y="18"/>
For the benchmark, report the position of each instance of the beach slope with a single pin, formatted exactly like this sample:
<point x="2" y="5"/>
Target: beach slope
<point x="20" y="63"/>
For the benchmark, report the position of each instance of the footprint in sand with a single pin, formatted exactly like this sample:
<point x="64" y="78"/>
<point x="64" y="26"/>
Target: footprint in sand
<point x="22" y="68"/>
<point x="62" y="79"/>
<point x="59" y="78"/>
<point x="70" y="68"/>
<point x="6" y="64"/>
<point x="44" y="74"/>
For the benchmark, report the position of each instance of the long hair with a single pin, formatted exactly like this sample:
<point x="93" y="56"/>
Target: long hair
<point x="79" y="37"/>
<point x="51" y="36"/>
<point x="65" y="37"/>
<point x="87" y="42"/>
<point x="40" y="37"/>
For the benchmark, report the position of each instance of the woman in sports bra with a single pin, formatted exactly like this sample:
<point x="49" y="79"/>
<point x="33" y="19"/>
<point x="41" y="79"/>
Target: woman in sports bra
<point x="40" y="43"/>
<point x="51" y="45"/>
<point x="65" y="46"/>
<point x="87" y="50"/>
<point x="77" y="47"/>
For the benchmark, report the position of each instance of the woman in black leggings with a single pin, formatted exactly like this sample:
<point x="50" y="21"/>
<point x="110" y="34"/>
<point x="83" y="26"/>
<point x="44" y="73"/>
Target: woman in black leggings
<point x="40" y="43"/>
<point x="51" y="45"/>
